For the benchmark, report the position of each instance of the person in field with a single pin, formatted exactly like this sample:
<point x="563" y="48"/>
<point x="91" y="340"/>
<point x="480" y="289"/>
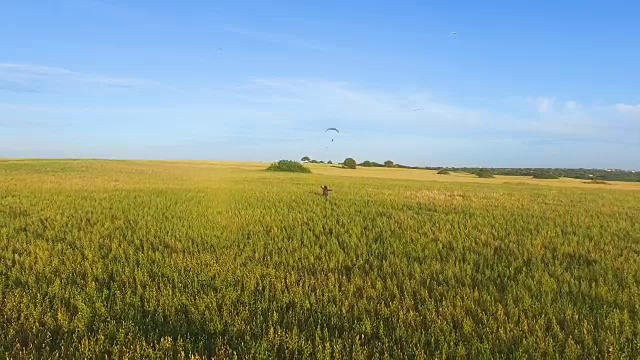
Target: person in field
<point x="325" y="191"/>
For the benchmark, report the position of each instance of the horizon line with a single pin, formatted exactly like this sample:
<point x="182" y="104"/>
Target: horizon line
<point x="409" y="167"/>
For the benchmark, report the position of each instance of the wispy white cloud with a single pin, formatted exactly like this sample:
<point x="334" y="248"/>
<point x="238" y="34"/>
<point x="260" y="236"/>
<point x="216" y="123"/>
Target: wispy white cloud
<point x="317" y="102"/>
<point x="345" y="102"/>
<point x="275" y="38"/>
<point x="272" y="116"/>
<point x="39" y="78"/>
<point x="543" y="103"/>
<point x="571" y="106"/>
<point x="17" y="123"/>
<point x="628" y="109"/>
<point x="77" y="109"/>
<point x="297" y="105"/>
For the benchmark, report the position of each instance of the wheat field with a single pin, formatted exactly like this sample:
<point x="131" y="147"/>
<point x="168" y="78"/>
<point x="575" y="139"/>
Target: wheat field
<point x="144" y="259"/>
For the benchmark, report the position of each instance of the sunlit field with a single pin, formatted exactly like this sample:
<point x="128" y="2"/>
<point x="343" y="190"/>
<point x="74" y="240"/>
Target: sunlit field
<point x="140" y="259"/>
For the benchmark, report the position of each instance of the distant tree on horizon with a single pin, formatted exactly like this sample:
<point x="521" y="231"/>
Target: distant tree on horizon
<point x="305" y="159"/>
<point x="389" y="164"/>
<point x="545" y="174"/>
<point x="350" y="163"/>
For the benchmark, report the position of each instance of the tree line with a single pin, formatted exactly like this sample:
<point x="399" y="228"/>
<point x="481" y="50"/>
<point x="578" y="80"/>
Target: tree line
<point x="536" y="173"/>
<point x="556" y="173"/>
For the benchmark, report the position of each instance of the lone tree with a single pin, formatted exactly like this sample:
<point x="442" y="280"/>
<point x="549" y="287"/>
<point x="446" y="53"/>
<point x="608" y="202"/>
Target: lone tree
<point x="389" y="164"/>
<point x="443" y="172"/>
<point x="350" y="163"/>
<point x="305" y="159"/>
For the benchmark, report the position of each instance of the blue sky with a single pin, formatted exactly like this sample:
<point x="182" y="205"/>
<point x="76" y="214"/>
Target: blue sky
<point x="524" y="83"/>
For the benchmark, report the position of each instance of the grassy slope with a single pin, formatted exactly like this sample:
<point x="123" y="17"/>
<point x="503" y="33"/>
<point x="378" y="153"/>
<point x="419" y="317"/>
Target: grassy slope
<point x="154" y="258"/>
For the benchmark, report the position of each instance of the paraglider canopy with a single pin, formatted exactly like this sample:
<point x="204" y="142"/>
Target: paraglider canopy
<point x="454" y="34"/>
<point x="332" y="129"/>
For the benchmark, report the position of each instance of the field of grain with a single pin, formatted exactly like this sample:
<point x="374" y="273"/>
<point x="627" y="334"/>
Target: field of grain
<point x="124" y="259"/>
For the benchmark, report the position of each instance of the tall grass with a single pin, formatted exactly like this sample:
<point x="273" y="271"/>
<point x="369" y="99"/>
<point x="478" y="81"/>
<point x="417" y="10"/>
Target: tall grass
<point x="157" y="260"/>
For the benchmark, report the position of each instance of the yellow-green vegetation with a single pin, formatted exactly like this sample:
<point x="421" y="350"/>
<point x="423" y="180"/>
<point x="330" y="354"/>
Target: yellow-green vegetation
<point x="176" y="259"/>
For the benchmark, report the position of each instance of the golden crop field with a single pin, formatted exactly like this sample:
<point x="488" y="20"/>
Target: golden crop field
<point x="134" y="259"/>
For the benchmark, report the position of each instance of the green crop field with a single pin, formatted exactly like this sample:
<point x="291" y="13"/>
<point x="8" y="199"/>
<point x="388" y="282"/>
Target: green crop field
<point x="119" y="259"/>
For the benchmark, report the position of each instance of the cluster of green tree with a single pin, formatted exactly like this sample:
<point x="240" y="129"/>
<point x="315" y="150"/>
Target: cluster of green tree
<point x="388" y="163"/>
<point x="481" y="173"/>
<point x="349" y="163"/>
<point x="352" y="164"/>
<point x="542" y="173"/>
<point x="484" y="173"/>
<point x="288" y="166"/>
<point x="536" y="173"/>
<point x="307" y="159"/>
<point x="550" y="173"/>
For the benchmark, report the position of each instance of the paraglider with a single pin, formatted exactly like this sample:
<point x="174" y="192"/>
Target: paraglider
<point x="453" y="34"/>
<point x="332" y="129"/>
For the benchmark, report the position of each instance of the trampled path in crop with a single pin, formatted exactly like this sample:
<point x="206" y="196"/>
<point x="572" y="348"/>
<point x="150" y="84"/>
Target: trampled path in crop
<point x="177" y="259"/>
